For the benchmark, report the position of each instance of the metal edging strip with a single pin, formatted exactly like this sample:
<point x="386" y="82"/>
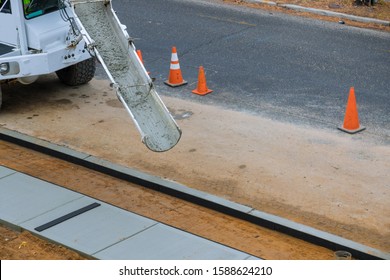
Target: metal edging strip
<point x="67" y="217"/>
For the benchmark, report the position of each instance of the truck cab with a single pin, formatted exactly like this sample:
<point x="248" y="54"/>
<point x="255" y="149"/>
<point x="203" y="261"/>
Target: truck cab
<point x="39" y="37"/>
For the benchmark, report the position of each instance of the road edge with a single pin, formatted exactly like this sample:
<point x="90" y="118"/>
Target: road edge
<point x="322" y="12"/>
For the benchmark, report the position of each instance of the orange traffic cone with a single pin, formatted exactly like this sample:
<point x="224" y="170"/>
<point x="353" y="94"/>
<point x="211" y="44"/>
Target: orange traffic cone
<point x="139" y="53"/>
<point x="351" y="120"/>
<point x="202" y="86"/>
<point x="175" y="78"/>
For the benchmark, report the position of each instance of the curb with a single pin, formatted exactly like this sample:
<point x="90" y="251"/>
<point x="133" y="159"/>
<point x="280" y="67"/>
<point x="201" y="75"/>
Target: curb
<point x="322" y="12"/>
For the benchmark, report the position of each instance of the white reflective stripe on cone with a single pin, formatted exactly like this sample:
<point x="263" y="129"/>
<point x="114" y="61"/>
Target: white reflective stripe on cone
<point x="174" y="57"/>
<point x="175" y="66"/>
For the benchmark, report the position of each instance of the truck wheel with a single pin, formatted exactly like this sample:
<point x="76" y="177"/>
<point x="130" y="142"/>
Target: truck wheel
<point x="78" y="74"/>
<point x="1" y="97"/>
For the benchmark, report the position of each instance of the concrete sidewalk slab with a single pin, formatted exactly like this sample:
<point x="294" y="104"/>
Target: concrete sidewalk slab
<point x="4" y="171"/>
<point x="171" y="244"/>
<point x="103" y="231"/>
<point x="23" y="198"/>
<point x="93" y="230"/>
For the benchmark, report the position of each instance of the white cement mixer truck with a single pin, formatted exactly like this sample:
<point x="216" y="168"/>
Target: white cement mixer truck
<point x="66" y="37"/>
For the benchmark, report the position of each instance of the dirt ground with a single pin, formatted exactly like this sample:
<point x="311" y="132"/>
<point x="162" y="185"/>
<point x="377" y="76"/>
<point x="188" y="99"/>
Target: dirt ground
<point x="25" y="246"/>
<point x="321" y="178"/>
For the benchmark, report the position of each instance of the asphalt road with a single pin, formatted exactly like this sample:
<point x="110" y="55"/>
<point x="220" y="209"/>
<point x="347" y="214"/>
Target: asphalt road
<point x="279" y="66"/>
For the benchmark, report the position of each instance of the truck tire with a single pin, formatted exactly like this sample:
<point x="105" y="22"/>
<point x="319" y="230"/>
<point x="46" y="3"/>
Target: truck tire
<point x="1" y="97"/>
<point x="78" y="74"/>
